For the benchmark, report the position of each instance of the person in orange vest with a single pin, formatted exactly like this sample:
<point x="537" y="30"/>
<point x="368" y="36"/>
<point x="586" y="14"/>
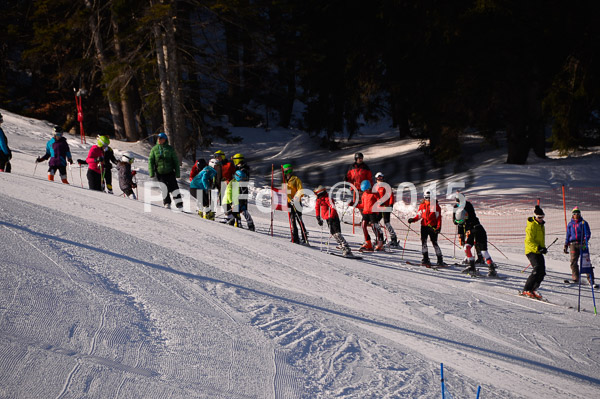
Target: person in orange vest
<point x="431" y="224"/>
<point x="370" y="217"/>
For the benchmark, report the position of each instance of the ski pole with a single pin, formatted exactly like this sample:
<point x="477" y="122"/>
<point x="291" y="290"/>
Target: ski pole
<point x="407" y="225"/>
<point x="443" y="235"/>
<point x="522" y="271"/>
<point x="492" y="244"/>
<point x="321" y="249"/>
<point x="405" y="238"/>
<point x="80" y="178"/>
<point x="36" y="164"/>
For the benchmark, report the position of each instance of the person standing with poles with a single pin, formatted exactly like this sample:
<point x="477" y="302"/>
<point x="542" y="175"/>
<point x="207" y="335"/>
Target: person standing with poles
<point x="431" y="225"/>
<point x="325" y="210"/>
<point x="5" y="153"/>
<point x="535" y="249"/>
<point x="57" y="149"/>
<point x="95" y="161"/>
<point x="578" y="233"/>
<point x="357" y="173"/>
<point x="294" y="193"/>
<point x="382" y="189"/>
<point x="163" y="164"/>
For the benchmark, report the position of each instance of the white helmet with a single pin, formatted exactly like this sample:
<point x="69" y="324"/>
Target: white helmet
<point x="378" y="175"/>
<point x="214" y="162"/>
<point x="127" y="157"/>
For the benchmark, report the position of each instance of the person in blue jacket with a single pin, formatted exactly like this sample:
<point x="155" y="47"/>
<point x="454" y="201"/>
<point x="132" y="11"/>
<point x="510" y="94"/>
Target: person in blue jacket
<point x="57" y="149"/>
<point x="578" y="235"/>
<point x="205" y="182"/>
<point x="5" y="153"/>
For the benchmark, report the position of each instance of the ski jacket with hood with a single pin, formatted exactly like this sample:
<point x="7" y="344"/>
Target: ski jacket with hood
<point x="92" y="159"/>
<point x="367" y="201"/>
<point x="535" y="236"/>
<point x="357" y="173"/>
<point x="163" y="160"/>
<point x="58" y="151"/>
<point x="325" y="209"/>
<point x="429" y="218"/>
<point x="204" y="180"/>
<point x="577" y="231"/>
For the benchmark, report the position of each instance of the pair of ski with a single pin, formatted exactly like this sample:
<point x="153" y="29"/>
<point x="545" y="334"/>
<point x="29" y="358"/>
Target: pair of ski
<point x="429" y="265"/>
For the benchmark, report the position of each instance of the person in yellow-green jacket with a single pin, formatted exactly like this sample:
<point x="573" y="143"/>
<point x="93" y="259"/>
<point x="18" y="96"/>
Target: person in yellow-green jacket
<point x="294" y="193"/>
<point x="236" y="200"/>
<point x="163" y="164"/>
<point x="535" y="248"/>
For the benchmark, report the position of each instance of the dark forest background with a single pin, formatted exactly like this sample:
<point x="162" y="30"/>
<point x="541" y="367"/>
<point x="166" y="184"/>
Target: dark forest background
<point x="438" y="69"/>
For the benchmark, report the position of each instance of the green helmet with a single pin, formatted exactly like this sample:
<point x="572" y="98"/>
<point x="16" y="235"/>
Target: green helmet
<point x="287" y="169"/>
<point x="103" y="141"/>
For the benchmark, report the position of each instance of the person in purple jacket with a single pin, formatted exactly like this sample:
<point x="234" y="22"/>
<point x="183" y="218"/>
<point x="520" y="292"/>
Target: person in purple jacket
<point x="57" y="149"/>
<point x="578" y="235"/>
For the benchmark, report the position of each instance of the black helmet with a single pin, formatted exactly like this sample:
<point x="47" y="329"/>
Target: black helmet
<point x="358" y="155"/>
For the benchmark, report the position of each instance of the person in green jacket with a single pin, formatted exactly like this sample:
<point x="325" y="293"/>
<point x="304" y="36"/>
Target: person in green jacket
<point x="236" y="200"/>
<point x="164" y="164"/>
<point x="535" y="248"/>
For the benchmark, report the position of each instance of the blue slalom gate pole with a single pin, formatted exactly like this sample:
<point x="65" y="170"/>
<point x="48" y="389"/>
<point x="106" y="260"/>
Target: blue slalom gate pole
<point x="478" y="391"/>
<point x="442" y="374"/>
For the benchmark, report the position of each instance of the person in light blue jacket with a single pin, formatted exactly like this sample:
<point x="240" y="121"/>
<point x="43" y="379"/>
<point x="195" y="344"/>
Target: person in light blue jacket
<point x="5" y="153"/>
<point x="205" y="182"/>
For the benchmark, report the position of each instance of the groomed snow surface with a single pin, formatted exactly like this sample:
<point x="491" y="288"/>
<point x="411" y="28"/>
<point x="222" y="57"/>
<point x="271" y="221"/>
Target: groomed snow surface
<point x="100" y="299"/>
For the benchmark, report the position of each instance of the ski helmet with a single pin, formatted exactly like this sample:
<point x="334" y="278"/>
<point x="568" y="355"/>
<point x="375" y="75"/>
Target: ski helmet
<point x="379" y="175"/>
<point x="358" y="155"/>
<point x="214" y="162"/>
<point x="103" y="141"/>
<point x="287" y="169"/>
<point x="237" y="158"/>
<point x="163" y="135"/>
<point x="320" y="191"/>
<point x="127" y="157"/>
<point x="240" y="175"/>
<point x="427" y="195"/>
<point x="576" y="211"/>
<point x="460" y="216"/>
<point x="365" y="185"/>
<point x="220" y="155"/>
<point x="57" y="130"/>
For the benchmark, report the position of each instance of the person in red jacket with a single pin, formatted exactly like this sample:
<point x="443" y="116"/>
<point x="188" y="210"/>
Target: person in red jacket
<point x="358" y="172"/>
<point x="325" y="210"/>
<point x="382" y="189"/>
<point x="197" y="168"/>
<point x="370" y="217"/>
<point x="431" y="224"/>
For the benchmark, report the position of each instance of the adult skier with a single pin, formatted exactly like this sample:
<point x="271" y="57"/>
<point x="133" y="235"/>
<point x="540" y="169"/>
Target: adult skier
<point x="357" y="173"/>
<point x="5" y="153"/>
<point x="294" y="193"/>
<point x="325" y="210"/>
<point x="472" y="234"/>
<point x="164" y="164"/>
<point x="535" y="249"/>
<point x="370" y="217"/>
<point x="578" y="234"/>
<point x="431" y="224"/>
<point x="382" y="189"/>
<point x="59" y="153"/>
<point x="95" y="161"/>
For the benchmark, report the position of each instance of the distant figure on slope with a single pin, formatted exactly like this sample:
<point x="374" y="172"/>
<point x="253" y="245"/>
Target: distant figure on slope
<point x="535" y="248"/>
<point x="431" y="224"/>
<point x="164" y="164"/>
<point x="205" y="182"/>
<point x="95" y="161"/>
<point x="370" y="217"/>
<point x="126" y="183"/>
<point x="382" y="189"/>
<point x="294" y="193"/>
<point x="57" y="149"/>
<point x="325" y="210"/>
<point x="5" y="153"/>
<point x="236" y="200"/>
<point x="578" y="234"/>
<point x="472" y="235"/>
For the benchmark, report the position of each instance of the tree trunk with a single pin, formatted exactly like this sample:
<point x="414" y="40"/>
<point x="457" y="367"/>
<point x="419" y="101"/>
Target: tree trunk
<point x="518" y="144"/>
<point x="103" y="60"/>
<point x="165" y="97"/>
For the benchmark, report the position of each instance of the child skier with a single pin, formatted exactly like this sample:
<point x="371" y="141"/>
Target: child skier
<point x="294" y="193"/>
<point x="109" y="159"/>
<point x="382" y="188"/>
<point x="205" y="181"/>
<point x="236" y="200"/>
<point x="535" y="248"/>
<point x="431" y="224"/>
<point x="472" y="234"/>
<point x="325" y="210"/>
<point x="369" y="217"/>
<point x="57" y="149"/>
<point x="126" y="183"/>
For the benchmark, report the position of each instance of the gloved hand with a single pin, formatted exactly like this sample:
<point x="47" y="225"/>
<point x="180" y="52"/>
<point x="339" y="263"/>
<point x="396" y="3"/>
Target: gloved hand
<point x="133" y="173"/>
<point x="133" y="185"/>
<point x="543" y="250"/>
<point x="38" y="160"/>
<point x="566" y="249"/>
<point x="99" y="159"/>
<point x="70" y="160"/>
<point x="411" y="220"/>
<point x="436" y="230"/>
<point x="81" y="162"/>
<point x="319" y="221"/>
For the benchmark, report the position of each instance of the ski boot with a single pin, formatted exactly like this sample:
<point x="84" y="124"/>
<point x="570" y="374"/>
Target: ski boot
<point x="492" y="270"/>
<point x="366" y="247"/>
<point x="347" y="252"/>
<point x="167" y="206"/>
<point x="480" y="260"/>
<point x="425" y="261"/>
<point x="251" y="226"/>
<point x="470" y="269"/>
<point x="440" y="260"/>
<point x="394" y="242"/>
<point x="379" y="246"/>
